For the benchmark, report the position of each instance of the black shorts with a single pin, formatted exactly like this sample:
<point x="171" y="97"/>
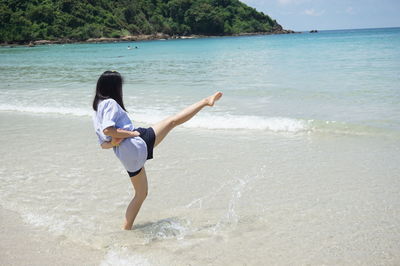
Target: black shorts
<point x="149" y="136"/>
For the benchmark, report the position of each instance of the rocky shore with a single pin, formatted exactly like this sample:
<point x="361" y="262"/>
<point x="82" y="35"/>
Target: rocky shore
<point x="142" y="37"/>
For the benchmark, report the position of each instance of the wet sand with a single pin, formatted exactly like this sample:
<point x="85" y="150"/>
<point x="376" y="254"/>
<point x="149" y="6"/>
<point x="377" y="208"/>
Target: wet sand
<point x="22" y="244"/>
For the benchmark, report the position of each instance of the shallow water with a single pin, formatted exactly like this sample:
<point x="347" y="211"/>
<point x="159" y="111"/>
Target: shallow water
<point x="335" y="81"/>
<point x="297" y="164"/>
<point x="335" y="199"/>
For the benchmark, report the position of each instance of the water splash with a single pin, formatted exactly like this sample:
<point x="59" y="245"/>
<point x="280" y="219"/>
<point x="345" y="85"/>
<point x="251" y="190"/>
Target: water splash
<point x="164" y="229"/>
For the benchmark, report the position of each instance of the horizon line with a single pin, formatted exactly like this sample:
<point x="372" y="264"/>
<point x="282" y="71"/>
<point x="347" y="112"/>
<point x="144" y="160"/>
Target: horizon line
<point x="368" y="28"/>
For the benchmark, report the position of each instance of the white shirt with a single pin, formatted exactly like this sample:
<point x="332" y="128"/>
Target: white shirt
<point x="132" y="152"/>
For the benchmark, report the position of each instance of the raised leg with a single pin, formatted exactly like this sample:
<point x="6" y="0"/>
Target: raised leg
<point x="163" y="127"/>
<point x="140" y="184"/>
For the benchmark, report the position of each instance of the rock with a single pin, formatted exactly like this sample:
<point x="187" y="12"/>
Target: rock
<point x="313" y="31"/>
<point x="162" y="36"/>
<point x="277" y="28"/>
<point x="41" y="42"/>
<point x="102" y="39"/>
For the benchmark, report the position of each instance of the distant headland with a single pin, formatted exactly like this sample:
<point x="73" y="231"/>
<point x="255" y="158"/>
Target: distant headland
<point x="70" y="21"/>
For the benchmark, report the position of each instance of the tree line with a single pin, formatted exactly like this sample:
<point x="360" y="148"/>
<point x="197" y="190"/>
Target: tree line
<point x="23" y="21"/>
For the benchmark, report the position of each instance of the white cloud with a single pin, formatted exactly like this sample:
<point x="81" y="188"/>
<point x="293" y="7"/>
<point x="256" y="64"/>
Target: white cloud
<point x="313" y="12"/>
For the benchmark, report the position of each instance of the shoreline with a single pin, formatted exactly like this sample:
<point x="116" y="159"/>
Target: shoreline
<point x="141" y="37"/>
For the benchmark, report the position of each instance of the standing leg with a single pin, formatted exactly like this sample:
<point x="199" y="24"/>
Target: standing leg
<point x="139" y="182"/>
<point x="163" y="127"/>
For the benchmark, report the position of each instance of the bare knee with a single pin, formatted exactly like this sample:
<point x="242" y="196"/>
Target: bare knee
<point x="141" y="195"/>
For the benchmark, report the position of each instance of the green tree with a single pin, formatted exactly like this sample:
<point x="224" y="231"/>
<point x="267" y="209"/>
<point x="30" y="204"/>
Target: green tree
<point x="23" y="21"/>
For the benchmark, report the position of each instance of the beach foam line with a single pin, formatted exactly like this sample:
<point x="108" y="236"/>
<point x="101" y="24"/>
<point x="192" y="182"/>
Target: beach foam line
<point x="52" y="224"/>
<point x="274" y="124"/>
<point x="227" y="121"/>
<point x="46" y="110"/>
<point x="148" y="116"/>
<point x="218" y="121"/>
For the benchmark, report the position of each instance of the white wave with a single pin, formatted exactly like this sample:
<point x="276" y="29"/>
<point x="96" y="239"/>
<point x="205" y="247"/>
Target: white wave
<point x="221" y="121"/>
<point x="275" y="124"/>
<point x="47" y="110"/>
<point x="52" y="224"/>
<point x="226" y="121"/>
<point x="208" y="121"/>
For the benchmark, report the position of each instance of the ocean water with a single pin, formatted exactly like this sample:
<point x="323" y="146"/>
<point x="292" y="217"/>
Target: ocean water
<point x="298" y="163"/>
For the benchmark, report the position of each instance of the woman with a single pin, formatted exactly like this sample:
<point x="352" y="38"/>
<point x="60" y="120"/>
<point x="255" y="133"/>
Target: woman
<point x="133" y="146"/>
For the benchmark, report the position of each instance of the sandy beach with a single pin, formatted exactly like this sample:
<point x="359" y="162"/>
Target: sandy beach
<point x="345" y="210"/>
<point x="297" y="164"/>
<point x="24" y="244"/>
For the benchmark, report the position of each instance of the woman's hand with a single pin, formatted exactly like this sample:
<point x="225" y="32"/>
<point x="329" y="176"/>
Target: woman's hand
<point x="116" y="141"/>
<point x="110" y="144"/>
<point x="106" y="145"/>
<point x="135" y="133"/>
<point x="120" y="133"/>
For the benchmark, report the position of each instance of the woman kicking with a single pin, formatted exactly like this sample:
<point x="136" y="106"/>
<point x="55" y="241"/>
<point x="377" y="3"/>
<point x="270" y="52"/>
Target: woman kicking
<point x="133" y="146"/>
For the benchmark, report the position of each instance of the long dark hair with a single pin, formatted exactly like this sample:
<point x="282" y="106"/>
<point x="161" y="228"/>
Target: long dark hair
<point x="109" y="85"/>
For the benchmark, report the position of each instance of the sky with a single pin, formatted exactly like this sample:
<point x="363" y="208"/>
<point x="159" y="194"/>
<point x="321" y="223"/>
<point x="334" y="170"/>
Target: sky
<point x="304" y="15"/>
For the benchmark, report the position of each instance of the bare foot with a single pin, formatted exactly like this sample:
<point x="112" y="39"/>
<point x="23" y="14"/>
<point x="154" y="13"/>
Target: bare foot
<point x="210" y="100"/>
<point x="126" y="227"/>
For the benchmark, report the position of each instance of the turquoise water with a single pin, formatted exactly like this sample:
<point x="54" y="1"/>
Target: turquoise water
<point x="334" y="81"/>
<point x="297" y="164"/>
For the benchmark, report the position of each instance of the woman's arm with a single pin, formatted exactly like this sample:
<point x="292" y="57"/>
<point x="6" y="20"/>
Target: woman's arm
<point x="106" y="145"/>
<point x="109" y="144"/>
<point x="120" y="133"/>
<point x="117" y="136"/>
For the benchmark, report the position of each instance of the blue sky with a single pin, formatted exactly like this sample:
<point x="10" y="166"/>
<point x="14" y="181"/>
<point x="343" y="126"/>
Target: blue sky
<point x="302" y="15"/>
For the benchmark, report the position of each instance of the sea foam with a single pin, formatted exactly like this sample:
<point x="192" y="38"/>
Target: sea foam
<point x="206" y="121"/>
<point x="46" y="110"/>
